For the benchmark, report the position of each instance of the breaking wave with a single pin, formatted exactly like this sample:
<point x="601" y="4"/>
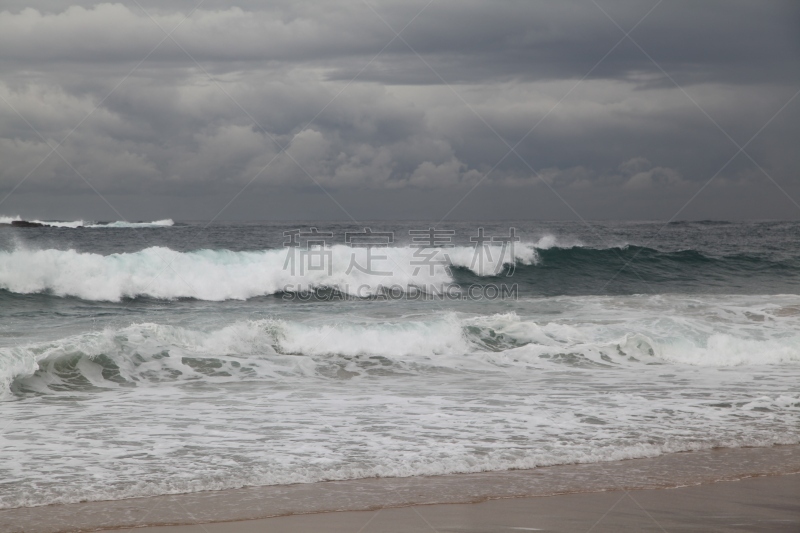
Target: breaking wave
<point x="545" y="267"/>
<point x="216" y="275"/>
<point x="273" y="349"/>
<point x="90" y="224"/>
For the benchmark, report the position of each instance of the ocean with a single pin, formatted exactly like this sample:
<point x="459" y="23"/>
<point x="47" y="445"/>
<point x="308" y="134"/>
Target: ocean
<point x="142" y="359"/>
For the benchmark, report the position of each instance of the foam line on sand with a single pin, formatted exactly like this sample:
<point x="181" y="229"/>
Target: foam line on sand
<point x="593" y="484"/>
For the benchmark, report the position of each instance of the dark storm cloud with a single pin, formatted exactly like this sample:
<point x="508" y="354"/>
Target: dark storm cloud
<point x="465" y="41"/>
<point x="303" y="76"/>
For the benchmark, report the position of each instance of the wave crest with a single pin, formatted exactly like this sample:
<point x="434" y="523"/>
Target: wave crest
<point x="216" y="275"/>
<point x="277" y="349"/>
<point x="167" y="222"/>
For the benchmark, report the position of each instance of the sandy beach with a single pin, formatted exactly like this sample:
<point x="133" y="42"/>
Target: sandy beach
<point x="754" y="504"/>
<point x="753" y="487"/>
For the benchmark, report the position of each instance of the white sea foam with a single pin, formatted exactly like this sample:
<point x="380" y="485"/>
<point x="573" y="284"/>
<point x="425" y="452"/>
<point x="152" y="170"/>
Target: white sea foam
<point x="160" y="272"/>
<point x="61" y="224"/>
<point x="120" y="224"/>
<point x="304" y="398"/>
<point x="88" y="224"/>
<point x="260" y="348"/>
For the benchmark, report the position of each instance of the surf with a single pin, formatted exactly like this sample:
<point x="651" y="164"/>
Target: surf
<point x="216" y="275"/>
<point x="152" y="353"/>
<point x="75" y="224"/>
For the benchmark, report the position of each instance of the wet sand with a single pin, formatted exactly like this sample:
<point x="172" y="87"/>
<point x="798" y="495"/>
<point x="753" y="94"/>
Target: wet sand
<point x="768" y="504"/>
<point x="713" y="490"/>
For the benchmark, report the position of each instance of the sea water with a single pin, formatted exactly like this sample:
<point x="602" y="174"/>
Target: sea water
<point x="141" y="359"/>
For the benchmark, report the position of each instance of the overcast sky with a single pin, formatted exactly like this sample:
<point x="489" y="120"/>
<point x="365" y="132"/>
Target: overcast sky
<point x="316" y="109"/>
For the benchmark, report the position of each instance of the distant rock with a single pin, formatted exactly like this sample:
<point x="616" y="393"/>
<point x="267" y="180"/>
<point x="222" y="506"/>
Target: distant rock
<point x="26" y="224"/>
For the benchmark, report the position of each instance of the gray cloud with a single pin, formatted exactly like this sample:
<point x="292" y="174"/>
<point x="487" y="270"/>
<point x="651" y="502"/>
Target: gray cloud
<point x="299" y="101"/>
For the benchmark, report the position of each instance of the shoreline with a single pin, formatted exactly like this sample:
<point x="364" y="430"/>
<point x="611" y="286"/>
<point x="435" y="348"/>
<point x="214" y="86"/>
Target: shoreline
<point x="682" y="470"/>
<point x="761" y="504"/>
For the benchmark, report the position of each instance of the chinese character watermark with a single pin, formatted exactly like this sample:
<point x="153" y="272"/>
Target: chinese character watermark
<point x="432" y="251"/>
<point x="314" y="256"/>
<point x="428" y="246"/>
<point x="483" y="262"/>
<point x="368" y="241"/>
